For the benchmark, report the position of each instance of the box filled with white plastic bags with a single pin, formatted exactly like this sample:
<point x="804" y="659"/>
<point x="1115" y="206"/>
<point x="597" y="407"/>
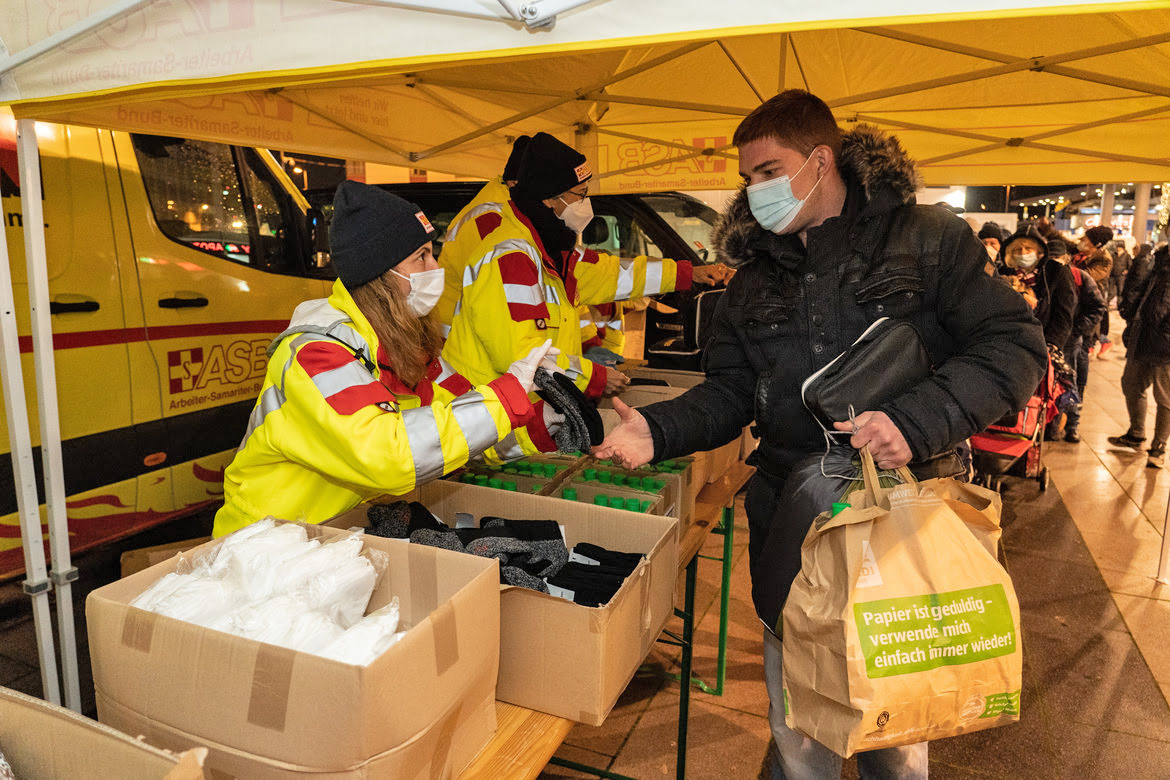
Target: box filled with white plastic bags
<point x="244" y="660"/>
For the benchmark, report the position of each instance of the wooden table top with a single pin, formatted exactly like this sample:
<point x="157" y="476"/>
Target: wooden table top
<point x="525" y="739"/>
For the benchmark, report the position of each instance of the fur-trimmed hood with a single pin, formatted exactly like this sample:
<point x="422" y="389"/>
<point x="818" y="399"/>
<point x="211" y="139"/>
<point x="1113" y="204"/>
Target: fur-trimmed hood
<point x="869" y="158"/>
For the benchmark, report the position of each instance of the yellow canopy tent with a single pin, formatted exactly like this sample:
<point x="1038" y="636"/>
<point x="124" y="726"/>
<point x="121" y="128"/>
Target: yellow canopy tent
<point x="984" y="91"/>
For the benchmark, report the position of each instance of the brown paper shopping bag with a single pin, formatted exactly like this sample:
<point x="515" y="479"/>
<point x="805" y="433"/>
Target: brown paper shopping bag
<point x="902" y="626"/>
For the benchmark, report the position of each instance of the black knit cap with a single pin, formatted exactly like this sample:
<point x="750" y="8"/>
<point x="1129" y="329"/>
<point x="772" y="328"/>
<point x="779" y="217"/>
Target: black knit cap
<point x="1099" y="236"/>
<point x="991" y="230"/>
<point x="549" y="168"/>
<point x="512" y="167"/>
<point x="373" y="231"/>
<point x="1057" y="247"/>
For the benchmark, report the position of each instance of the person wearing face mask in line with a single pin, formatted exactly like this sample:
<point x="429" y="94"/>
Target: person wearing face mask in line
<point x="1093" y="258"/>
<point x="1090" y="309"/>
<point x="827" y="239"/>
<point x="1047" y="285"/>
<point x="525" y="277"/>
<point x="357" y="401"/>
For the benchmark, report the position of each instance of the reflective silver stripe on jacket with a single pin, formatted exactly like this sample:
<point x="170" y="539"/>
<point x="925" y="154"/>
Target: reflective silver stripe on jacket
<point x="270" y="400"/>
<point x="653" y="284"/>
<point x="342" y="378"/>
<point x="574" y="369"/>
<point x="479" y="210"/>
<point x="625" y="280"/>
<point x="471" y="273"/>
<point x="475" y="421"/>
<point x="509" y="448"/>
<point x="426" y="446"/>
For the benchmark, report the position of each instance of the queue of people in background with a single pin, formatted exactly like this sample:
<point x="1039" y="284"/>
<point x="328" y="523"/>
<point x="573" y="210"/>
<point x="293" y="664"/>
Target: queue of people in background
<point x="1070" y="283"/>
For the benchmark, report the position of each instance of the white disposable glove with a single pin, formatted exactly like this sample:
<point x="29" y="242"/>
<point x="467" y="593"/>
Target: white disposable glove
<point x="524" y="369"/>
<point x="552" y="419"/>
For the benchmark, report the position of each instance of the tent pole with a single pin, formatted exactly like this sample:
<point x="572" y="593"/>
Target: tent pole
<point x="783" y="77"/>
<point x="1048" y="64"/>
<point x="36" y="583"/>
<point x="659" y="141"/>
<point x="60" y="38"/>
<point x="63" y="573"/>
<point x="584" y="92"/>
<point x="742" y="74"/>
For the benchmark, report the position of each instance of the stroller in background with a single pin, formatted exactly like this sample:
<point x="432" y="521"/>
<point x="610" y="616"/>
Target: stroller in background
<point x="1015" y="444"/>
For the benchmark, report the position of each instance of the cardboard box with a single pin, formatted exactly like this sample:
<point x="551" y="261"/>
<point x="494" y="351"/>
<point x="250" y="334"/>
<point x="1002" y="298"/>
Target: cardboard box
<point x="721" y="459"/>
<point x="587" y="491"/>
<point x="556" y="656"/>
<point x="748" y="443"/>
<point x="47" y="742"/>
<point x="134" y="561"/>
<point x="683" y="379"/>
<point x="423" y="709"/>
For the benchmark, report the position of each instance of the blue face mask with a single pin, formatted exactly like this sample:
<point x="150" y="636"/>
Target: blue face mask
<point x="773" y="204"/>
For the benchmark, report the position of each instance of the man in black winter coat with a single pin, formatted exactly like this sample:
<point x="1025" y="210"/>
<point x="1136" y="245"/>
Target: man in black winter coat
<point x="828" y="239"/>
<point x="1089" y="312"/>
<point x="1147" y="361"/>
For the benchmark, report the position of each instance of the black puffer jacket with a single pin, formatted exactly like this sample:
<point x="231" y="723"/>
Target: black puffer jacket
<point x="789" y="311"/>
<point x="1148" y="336"/>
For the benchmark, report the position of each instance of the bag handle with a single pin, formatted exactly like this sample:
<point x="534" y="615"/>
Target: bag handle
<point x="873" y="486"/>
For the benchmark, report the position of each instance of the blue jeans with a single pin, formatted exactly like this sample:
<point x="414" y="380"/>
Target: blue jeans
<point x="800" y="758"/>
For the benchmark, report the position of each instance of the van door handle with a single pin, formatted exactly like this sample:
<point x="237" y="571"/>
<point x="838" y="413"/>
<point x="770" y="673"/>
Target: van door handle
<point x="59" y="307"/>
<point x="182" y="303"/>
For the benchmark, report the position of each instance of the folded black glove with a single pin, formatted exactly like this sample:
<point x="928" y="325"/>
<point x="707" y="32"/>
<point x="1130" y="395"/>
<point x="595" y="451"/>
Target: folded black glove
<point x="582" y="428"/>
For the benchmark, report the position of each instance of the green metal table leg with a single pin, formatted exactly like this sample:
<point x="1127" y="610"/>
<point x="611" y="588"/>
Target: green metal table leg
<point x="727" y="528"/>
<point x="591" y="770"/>
<point x="684" y="691"/>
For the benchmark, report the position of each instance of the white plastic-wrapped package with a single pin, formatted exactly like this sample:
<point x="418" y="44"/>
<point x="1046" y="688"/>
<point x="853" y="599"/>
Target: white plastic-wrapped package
<point x="271" y="583"/>
<point x="195" y="598"/>
<point x="368" y="638"/>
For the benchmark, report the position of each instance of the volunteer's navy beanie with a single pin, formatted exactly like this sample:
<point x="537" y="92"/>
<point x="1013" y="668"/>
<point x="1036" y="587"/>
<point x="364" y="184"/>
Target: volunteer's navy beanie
<point x="512" y="167"/>
<point x="548" y="168"/>
<point x="373" y="231"/>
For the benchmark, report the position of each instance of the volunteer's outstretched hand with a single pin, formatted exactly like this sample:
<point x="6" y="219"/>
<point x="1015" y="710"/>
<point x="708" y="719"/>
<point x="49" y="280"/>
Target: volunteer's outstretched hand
<point x="615" y="382"/>
<point x="886" y="443"/>
<point x="629" y="444"/>
<point x="524" y="369"/>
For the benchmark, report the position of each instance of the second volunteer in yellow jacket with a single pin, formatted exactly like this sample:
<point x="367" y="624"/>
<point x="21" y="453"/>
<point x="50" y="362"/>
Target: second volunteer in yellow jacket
<point x="357" y="401"/>
<point x="460" y="241"/>
<point x="524" y="278"/>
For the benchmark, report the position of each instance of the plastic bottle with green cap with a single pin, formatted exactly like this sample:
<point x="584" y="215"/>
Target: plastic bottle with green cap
<point x="510" y="470"/>
<point x="536" y="488"/>
<point x="604" y="477"/>
<point x="550" y="470"/>
<point x="481" y="480"/>
<point x="590" y="475"/>
<point x="633" y="505"/>
<point x="619" y="480"/>
<point x="496" y="483"/>
<point x="600" y="500"/>
<point x="510" y="485"/>
<point x="616" y="502"/>
<point x="634" y="483"/>
<point x="645" y="506"/>
<point x="467" y="479"/>
<point x="569" y="494"/>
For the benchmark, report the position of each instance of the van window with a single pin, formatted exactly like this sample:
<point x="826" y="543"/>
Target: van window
<point x="693" y="220"/>
<point x="619" y="234"/>
<point x="220" y="200"/>
<point x="194" y="191"/>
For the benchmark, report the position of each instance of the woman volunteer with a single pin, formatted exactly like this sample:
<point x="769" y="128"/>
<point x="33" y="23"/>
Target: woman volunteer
<point x="357" y="401"/>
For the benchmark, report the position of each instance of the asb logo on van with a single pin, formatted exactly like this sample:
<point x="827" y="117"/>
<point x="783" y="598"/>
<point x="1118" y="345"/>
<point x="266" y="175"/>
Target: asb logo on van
<point x="216" y="373"/>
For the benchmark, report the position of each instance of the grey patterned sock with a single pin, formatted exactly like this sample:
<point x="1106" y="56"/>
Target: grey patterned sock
<point x="445" y="539"/>
<point x="573" y="435"/>
<point x="514" y="575"/>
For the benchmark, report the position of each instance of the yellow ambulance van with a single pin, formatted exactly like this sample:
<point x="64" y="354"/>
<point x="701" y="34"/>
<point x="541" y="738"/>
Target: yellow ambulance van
<point x="172" y="263"/>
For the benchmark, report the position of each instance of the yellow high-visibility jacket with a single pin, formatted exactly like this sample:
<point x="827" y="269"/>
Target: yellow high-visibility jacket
<point x="334" y="425"/>
<point x="463" y="233"/>
<point x="604" y="325"/>
<point x="514" y="298"/>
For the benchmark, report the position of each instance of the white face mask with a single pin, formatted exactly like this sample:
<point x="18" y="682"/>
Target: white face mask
<point x="773" y="203"/>
<point x="1026" y="261"/>
<point x="577" y="215"/>
<point x="426" y="287"/>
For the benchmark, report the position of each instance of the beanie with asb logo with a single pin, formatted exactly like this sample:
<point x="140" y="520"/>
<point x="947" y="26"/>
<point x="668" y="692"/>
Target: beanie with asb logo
<point x="373" y="231"/>
<point x="548" y="168"/>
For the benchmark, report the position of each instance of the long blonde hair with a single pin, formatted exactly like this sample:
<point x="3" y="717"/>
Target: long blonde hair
<point x="411" y="342"/>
